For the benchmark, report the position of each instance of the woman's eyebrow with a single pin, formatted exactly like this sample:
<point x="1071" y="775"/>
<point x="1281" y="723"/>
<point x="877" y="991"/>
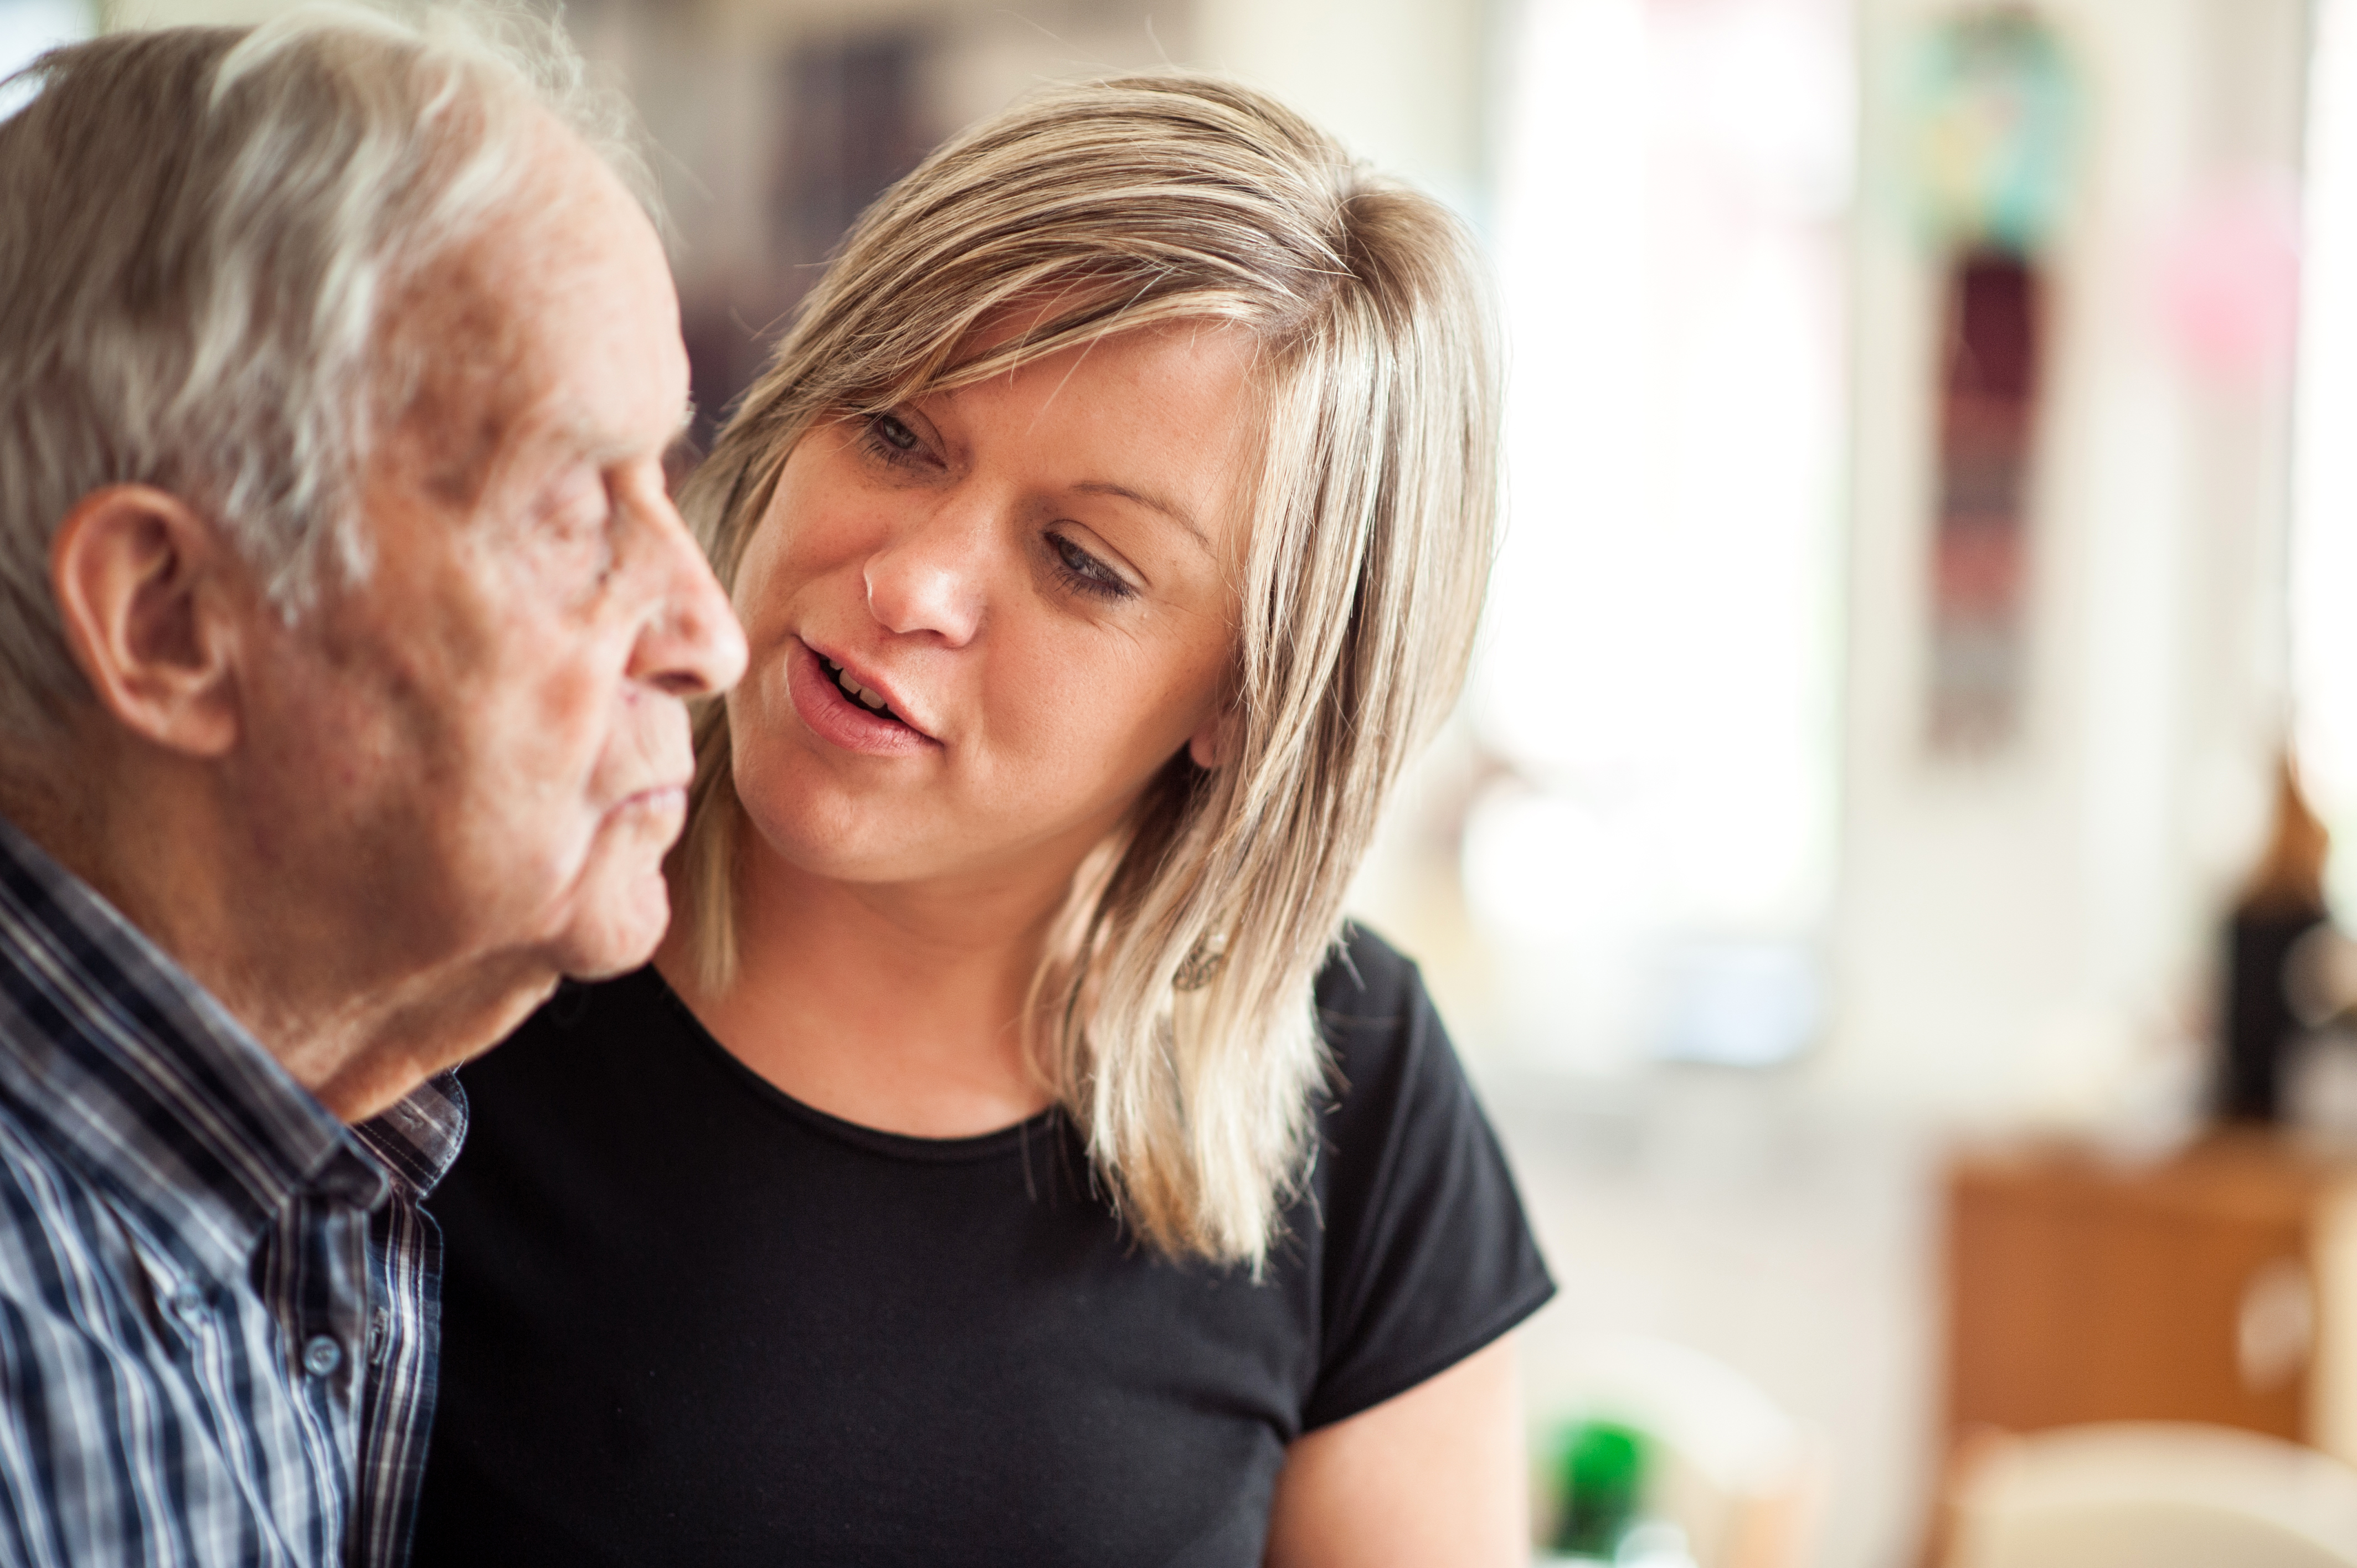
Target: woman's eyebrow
<point x="1177" y="515"/>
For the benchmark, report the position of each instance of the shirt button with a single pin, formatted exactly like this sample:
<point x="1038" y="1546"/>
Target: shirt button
<point x="188" y="1305"/>
<point x="322" y="1354"/>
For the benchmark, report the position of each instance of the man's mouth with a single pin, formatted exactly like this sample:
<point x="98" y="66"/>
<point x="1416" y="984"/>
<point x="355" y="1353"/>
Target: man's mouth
<point x="871" y="701"/>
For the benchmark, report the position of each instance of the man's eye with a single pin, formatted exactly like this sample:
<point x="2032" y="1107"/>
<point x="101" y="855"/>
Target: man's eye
<point x="573" y="531"/>
<point x="582" y="510"/>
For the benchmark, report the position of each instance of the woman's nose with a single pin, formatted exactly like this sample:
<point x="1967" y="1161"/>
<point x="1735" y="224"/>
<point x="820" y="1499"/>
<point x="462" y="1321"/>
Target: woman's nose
<point x="929" y="578"/>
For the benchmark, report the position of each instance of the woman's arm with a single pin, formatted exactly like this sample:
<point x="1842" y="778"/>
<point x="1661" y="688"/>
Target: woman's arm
<point x="1435" y="1478"/>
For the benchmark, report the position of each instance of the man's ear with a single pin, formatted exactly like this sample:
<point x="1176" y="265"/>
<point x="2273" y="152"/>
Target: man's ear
<point x="146" y="589"/>
<point x="1215" y="742"/>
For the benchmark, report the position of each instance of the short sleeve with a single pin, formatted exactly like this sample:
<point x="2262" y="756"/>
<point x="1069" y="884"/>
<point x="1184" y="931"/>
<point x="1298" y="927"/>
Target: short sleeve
<point x="1428" y="1255"/>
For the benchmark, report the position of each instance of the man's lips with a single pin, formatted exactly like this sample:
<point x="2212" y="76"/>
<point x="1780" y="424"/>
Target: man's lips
<point x="653" y="805"/>
<point x="657" y="796"/>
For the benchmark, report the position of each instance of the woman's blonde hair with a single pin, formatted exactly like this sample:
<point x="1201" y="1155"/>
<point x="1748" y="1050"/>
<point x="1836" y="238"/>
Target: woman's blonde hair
<point x="1172" y="1010"/>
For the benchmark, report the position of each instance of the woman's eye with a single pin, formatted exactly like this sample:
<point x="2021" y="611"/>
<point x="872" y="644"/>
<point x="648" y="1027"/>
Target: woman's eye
<point x="893" y="433"/>
<point x="1086" y="573"/>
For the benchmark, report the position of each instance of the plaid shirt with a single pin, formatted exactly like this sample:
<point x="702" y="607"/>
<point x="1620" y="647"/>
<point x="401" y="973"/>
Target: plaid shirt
<point x="218" y="1306"/>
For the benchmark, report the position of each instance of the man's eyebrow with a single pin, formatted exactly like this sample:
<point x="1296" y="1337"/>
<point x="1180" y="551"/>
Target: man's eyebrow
<point x="1177" y="515"/>
<point x="601" y="447"/>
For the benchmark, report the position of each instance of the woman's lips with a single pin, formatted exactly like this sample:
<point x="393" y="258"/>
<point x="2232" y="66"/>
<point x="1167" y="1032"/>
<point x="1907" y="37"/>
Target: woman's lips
<point x="835" y="718"/>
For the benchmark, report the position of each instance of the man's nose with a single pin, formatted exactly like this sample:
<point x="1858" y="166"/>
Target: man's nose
<point x="928" y="577"/>
<point x="690" y="645"/>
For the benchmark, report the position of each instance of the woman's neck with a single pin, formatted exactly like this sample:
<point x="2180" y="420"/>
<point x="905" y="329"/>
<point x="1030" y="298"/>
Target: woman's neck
<point x="893" y="1006"/>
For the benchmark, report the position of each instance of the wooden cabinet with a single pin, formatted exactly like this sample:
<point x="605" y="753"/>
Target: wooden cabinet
<point x="2218" y="1285"/>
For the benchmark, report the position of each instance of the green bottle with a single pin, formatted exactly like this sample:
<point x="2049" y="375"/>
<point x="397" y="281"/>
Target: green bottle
<point x="1600" y="1482"/>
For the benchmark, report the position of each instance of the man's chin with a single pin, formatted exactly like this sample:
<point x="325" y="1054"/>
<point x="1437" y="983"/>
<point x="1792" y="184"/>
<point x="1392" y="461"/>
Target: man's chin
<point x="619" y="932"/>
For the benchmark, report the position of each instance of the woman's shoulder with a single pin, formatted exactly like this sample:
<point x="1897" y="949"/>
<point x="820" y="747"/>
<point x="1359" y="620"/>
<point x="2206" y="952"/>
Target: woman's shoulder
<point x="1428" y="1255"/>
<point x="1386" y="1039"/>
<point x="1366" y="975"/>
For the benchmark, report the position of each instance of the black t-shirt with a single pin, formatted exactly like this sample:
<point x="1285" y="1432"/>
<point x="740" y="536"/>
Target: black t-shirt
<point x="689" y="1319"/>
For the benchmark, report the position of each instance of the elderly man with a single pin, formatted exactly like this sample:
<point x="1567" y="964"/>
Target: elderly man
<point x="345" y="625"/>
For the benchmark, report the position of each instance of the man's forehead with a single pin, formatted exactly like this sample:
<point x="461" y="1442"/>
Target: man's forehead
<point x="602" y="444"/>
<point x="498" y="383"/>
<point x="463" y="451"/>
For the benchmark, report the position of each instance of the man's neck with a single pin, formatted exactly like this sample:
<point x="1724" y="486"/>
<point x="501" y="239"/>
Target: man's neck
<point x="153" y="837"/>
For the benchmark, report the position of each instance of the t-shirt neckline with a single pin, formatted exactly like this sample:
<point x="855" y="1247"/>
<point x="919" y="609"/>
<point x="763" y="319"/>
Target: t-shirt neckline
<point x="997" y="1144"/>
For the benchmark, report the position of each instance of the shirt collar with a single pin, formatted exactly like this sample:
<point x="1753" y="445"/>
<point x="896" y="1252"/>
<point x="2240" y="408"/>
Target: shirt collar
<point x="417" y="1139"/>
<point x="169" y="1103"/>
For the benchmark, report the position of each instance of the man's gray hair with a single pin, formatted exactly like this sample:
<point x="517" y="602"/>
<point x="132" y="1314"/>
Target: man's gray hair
<point x="201" y="233"/>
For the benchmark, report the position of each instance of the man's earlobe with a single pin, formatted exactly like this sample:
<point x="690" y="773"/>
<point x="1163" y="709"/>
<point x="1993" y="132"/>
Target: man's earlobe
<point x="1215" y="744"/>
<point x="143" y="585"/>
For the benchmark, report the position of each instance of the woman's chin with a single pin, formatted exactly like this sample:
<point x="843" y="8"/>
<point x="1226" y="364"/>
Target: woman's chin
<point x="843" y="837"/>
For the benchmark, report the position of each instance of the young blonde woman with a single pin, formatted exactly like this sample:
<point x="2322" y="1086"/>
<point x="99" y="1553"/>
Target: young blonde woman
<point x="1012" y="1157"/>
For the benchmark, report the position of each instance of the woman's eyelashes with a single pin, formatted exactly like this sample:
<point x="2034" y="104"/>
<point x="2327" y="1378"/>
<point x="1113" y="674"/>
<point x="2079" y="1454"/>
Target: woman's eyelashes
<point x="892" y="439"/>
<point x="1084" y="573"/>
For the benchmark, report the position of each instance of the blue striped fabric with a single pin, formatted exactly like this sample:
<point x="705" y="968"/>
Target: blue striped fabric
<point x="218" y="1305"/>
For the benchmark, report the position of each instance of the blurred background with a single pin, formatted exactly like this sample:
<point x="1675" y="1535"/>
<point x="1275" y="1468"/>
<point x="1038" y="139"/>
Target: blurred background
<point x="1881" y="874"/>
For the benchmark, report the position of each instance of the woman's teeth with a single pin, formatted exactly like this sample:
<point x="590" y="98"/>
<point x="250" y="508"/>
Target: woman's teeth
<point x="855" y="691"/>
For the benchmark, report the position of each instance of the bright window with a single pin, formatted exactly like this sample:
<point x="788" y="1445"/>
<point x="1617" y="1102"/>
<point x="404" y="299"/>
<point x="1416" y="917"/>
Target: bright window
<point x="28" y="27"/>
<point x="2324" y="525"/>
<point x="1654" y="873"/>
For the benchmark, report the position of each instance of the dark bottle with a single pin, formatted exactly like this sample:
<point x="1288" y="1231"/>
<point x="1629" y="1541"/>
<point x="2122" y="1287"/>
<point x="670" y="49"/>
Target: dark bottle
<point x="2282" y="901"/>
